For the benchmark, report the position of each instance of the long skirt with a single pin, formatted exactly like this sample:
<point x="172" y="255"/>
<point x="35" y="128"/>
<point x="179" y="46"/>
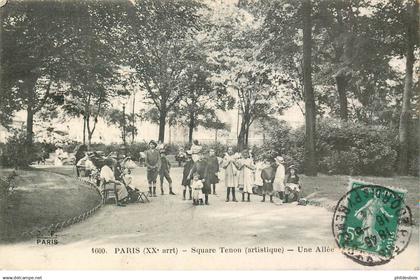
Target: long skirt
<point x="121" y="190"/>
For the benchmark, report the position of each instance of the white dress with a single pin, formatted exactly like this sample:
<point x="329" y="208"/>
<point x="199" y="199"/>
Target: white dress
<point x="248" y="175"/>
<point x="231" y="173"/>
<point x="278" y="185"/>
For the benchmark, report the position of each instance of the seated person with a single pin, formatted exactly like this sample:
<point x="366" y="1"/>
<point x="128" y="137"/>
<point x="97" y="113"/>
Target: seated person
<point x="108" y="182"/>
<point x="86" y="164"/>
<point x="292" y="185"/>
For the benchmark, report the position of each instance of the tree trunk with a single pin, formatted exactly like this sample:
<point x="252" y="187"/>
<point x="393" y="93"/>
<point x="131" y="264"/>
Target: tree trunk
<point x="84" y="130"/>
<point x="191" y="125"/>
<point x="29" y="133"/>
<point x="162" y="124"/>
<point x="341" y="83"/>
<point x="215" y="135"/>
<point x="310" y="114"/>
<point x="242" y="135"/>
<point x="408" y="85"/>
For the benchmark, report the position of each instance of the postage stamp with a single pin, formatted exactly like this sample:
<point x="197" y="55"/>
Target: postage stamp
<point x="371" y="223"/>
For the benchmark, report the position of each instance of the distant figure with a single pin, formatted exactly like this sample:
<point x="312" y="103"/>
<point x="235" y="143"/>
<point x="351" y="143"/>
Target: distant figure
<point x="213" y="169"/>
<point x="80" y="152"/>
<point x="164" y="172"/>
<point x="181" y="156"/>
<point x="152" y="162"/>
<point x="58" y="161"/>
<point x="186" y="181"/>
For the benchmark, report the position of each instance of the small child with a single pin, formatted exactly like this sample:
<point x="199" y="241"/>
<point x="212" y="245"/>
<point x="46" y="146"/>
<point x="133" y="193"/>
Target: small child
<point x="292" y="185"/>
<point x="197" y="186"/>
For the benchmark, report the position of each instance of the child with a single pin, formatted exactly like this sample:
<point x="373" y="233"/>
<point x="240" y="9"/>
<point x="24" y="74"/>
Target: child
<point x="246" y="175"/>
<point x="292" y="185"/>
<point x="267" y="175"/>
<point x="230" y="167"/>
<point x="186" y="181"/>
<point x="152" y="162"/>
<point x="197" y="186"/>
<point x="213" y="169"/>
<point x="165" y="167"/>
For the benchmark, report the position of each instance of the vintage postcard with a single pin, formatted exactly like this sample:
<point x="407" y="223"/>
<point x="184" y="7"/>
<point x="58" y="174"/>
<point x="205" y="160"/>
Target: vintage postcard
<point x="209" y="135"/>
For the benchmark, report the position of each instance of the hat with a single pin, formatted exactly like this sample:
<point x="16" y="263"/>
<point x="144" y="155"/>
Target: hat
<point x="189" y="152"/>
<point x="162" y="151"/>
<point x="292" y="167"/>
<point x="113" y="155"/>
<point x="153" y="142"/>
<point x="279" y="159"/>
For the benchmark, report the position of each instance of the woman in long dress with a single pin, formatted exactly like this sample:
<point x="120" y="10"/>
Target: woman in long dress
<point x="231" y="173"/>
<point x="246" y="175"/>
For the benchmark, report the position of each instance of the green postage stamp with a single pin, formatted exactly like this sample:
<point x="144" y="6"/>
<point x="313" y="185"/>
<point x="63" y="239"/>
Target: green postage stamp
<point x="371" y="223"/>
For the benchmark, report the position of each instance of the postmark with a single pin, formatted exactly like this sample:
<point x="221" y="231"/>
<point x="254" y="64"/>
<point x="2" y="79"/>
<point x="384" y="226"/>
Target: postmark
<point x="371" y="223"/>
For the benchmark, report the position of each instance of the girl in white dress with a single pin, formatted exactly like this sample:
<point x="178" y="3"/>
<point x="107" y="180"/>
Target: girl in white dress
<point x="229" y="164"/>
<point x="246" y="178"/>
<point x="279" y="180"/>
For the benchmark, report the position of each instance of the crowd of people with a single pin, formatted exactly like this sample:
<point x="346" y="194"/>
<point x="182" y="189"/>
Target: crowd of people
<point x="201" y="174"/>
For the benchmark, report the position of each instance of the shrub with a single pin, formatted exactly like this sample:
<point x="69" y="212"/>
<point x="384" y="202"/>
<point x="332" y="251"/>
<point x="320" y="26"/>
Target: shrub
<point x="342" y="148"/>
<point x="15" y="153"/>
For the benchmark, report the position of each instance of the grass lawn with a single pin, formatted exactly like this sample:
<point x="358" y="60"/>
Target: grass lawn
<point x="43" y="198"/>
<point x="335" y="186"/>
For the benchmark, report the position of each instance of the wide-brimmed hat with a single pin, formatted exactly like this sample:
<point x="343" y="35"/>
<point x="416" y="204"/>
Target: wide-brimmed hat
<point x="292" y="167"/>
<point x="189" y="153"/>
<point x="279" y="159"/>
<point x="162" y="151"/>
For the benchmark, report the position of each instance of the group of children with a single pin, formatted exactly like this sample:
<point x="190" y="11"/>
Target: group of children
<point x="240" y="173"/>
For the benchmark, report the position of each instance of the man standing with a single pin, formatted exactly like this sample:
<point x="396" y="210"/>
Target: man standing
<point x="165" y="167"/>
<point x="152" y="163"/>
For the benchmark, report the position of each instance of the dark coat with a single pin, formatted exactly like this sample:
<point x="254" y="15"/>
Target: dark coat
<point x="213" y="168"/>
<point x="201" y="167"/>
<point x="186" y="172"/>
<point x="267" y="175"/>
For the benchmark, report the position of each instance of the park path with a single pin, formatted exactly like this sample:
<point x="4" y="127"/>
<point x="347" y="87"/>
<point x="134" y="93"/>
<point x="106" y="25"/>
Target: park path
<point x="169" y="222"/>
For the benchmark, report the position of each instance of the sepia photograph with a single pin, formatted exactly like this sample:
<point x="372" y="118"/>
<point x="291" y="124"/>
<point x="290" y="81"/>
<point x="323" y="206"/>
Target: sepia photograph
<point x="209" y="135"/>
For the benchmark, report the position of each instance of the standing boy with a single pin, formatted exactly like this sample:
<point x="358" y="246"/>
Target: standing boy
<point x="152" y="163"/>
<point x="165" y="167"/>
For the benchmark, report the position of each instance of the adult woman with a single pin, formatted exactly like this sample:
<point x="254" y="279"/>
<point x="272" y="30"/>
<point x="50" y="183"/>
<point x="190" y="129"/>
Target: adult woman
<point x="108" y="181"/>
<point x="201" y="167"/>
<point x="231" y="173"/>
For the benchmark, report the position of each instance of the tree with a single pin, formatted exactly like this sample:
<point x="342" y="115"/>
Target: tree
<point x="235" y="48"/>
<point x="310" y="107"/>
<point x="160" y="37"/>
<point x="123" y="121"/>
<point x="31" y="58"/>
<point x="410" y="37"/>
